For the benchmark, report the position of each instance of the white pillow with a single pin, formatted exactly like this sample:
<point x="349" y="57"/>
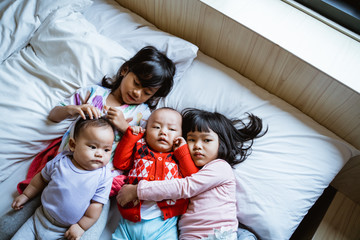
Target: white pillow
<point x="68" y="36"/>
<point x="65" y="53"/>
<point x="289" y="167"/>
<point x="133" y="32"/>
<point x="20" y="19"/>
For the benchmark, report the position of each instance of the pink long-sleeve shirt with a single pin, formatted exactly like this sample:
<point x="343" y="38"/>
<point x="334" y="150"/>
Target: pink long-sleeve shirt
<point x="212" y="198"/>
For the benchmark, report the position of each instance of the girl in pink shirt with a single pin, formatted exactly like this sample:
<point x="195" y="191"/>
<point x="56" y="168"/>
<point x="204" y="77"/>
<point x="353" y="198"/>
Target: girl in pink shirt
<point x="216" y="143"/>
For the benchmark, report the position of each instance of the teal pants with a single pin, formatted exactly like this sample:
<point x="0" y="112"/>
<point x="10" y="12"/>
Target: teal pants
<point x="155" y="229"/>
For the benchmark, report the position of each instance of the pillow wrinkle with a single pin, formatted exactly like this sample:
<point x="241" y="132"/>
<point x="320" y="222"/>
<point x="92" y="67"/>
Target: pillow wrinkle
<point x="20" y="19"/>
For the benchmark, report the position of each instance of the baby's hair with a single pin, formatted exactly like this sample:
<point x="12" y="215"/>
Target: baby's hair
<point x="85" y="123"/>
<point x="153" y="69"/>
<point x="235" y="136"/>
<point x="166" y="108"/>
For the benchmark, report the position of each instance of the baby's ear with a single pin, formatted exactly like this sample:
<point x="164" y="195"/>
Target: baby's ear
<point x="72" y="144"/>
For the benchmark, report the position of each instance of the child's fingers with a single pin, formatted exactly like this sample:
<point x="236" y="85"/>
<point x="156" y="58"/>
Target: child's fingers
<point x="114" y="112"/>
<point x="15" y="204"/>
<point x="110" y="110"/>
<point x="96" y="112"/>
<point x="86" y="109"/>
<point x="178" y="142"/>
<point x="91" y="111"/>
<point x="105" y="109"/>
<point x="16" y="207"/>
<point x="82" y="114"/>
<point x="136" y="130"/>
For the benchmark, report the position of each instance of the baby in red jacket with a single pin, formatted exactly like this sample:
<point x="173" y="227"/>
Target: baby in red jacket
<point x="159" y="153"/>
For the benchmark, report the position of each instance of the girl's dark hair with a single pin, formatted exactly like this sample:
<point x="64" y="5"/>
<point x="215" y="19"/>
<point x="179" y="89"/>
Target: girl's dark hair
<point x="84" y="123"/>
<point x="235" y="136"/>
<point x="153" y="69"/>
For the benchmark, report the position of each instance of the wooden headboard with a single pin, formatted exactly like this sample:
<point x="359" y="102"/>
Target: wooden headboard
<point x="318" y="95"/>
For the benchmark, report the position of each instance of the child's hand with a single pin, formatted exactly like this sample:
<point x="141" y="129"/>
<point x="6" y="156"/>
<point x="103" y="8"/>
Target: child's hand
<point x="178" y="142"/>
<point x="116" y="117"/>
<point x="19" y="202"/>
<point x="127" y="194"/>
<point x="137" y="129"/>
<point x="82" y="110"/>
<point x="74" y="232"/>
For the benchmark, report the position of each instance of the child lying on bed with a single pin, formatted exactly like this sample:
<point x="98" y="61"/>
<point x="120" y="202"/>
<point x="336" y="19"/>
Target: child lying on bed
<point x="215" y="145"/>
<point x="154" y="157"/>
<point x="75" y="185"/>
<point x="136" y="88"/>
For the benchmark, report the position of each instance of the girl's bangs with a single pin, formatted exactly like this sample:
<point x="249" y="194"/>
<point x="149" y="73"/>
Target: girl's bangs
<point x="198" y="124"/>
<point x="149" y="81"/>
<point x="149" y="75"/>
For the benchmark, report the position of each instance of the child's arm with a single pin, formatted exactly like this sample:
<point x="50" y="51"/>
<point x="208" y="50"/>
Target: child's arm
<point x="207" y="178"/>
<point x="117" y="118"/>
<point x="182" y="154"/>
<point x="59" y="113"/>
<point x="78" y="104"/>
<point x="37" y="184"/>
<point x="90" y="217"/>
<point x="124" y="150"/>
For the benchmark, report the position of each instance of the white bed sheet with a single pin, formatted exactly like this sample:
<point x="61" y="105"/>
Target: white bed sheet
<point x="289" y="167"/>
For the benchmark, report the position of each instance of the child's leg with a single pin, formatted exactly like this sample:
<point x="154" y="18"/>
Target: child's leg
<point x="13" y="220"/>
<point x="244" y="234"/>
<point x="46" y="227"/>
<point x="123" y="230"/>
<point x="165" y="229"/>
<point x="156" y="228"/>
<point x="40" y="226"/>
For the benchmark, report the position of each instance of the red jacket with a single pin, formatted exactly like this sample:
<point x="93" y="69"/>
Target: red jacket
<point x="133" y="154"/>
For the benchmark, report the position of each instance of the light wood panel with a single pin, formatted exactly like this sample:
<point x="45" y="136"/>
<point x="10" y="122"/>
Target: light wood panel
<point x="315" y="93"/>
<point x="341" y="221"/>
<point x="347" y="180"/>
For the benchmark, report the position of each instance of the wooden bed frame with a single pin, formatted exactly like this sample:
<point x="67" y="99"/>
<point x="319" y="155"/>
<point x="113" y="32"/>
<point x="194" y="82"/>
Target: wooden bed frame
<point x="314" y="92"/>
